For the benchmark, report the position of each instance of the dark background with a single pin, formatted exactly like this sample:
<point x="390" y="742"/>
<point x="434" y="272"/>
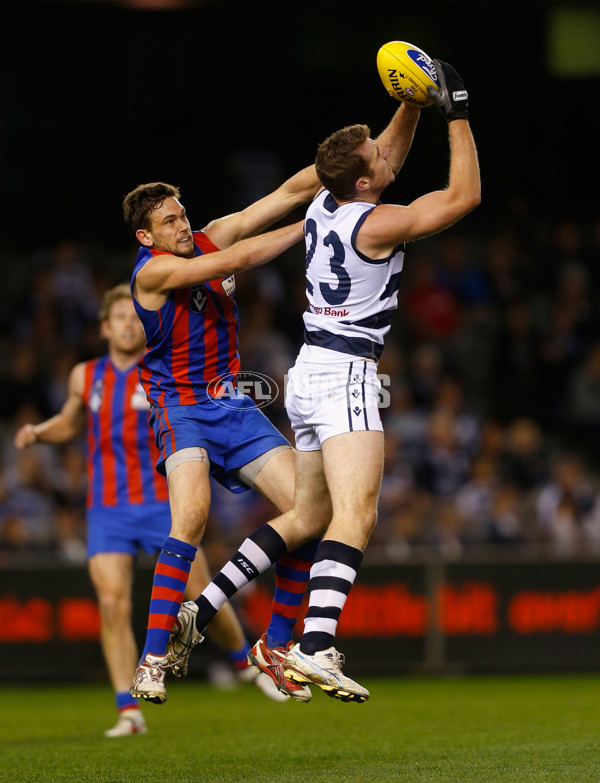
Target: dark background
<point x="98" y="96"/>
<point x="497" y="335"/>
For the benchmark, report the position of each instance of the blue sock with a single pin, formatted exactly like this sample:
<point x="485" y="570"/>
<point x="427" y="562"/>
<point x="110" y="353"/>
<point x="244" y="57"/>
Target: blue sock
<point x="291" y="577"/>
<point x="239" y="658"/>
<point x="170" y="580"/>
<point x="125" y="701"/>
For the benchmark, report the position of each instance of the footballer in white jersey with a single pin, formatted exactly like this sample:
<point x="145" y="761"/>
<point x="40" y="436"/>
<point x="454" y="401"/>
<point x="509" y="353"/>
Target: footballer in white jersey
<point x="333" y="387"/>
<point x="351" y="297"/>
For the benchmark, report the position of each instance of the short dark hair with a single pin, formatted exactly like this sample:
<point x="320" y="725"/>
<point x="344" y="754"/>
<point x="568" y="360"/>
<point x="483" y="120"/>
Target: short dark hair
<point x="141" y="202"/>
<point x="338" y="163"/>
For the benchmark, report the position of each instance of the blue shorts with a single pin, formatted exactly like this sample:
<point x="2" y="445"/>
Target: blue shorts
<point x="128" y="528"/>
<point x="233" y="435"/>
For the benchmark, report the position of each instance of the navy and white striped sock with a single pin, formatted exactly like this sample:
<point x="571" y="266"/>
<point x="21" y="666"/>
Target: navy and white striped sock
<point x="331" y="577"/>
<point x="292" y="572"/>
<point x="259" y="551"/>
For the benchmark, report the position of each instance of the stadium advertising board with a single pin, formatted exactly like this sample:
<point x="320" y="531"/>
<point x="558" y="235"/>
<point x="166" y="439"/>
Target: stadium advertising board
<point x="398" y="619"/>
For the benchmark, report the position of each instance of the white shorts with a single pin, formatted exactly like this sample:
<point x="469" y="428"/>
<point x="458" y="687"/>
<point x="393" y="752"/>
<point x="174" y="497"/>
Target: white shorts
<point x="325" y="400"/>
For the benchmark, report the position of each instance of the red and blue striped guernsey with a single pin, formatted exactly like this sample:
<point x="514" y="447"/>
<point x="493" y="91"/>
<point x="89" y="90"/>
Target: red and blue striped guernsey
<point x="121" y="452"/>
<point x="192" y="339"/>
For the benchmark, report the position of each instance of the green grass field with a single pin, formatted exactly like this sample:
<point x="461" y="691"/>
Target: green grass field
<point x="518" y="729"/>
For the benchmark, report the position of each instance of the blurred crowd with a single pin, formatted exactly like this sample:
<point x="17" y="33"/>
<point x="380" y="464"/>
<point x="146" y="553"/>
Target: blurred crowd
<point x="490" y="400"/>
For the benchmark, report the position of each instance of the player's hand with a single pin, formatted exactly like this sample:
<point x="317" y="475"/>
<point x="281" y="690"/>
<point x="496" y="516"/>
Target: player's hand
<point x="452" y="99"/>
<point x="25" y="436"/>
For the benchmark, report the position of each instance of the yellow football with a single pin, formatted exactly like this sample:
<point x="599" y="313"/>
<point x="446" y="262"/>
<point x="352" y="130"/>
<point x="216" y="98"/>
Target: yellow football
<point x="406" y="72"/>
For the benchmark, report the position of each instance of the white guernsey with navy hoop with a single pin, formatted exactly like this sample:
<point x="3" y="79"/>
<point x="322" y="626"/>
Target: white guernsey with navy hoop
<point x="333" y="387"/>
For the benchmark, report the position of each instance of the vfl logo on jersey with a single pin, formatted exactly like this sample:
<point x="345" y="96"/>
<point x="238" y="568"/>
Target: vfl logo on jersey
<point x="96" y="393"/>
<point x="425" y="63"/>
<point x="228" y="285"/>
<point x="198" y="299"/>
<point x="139" y="401"/>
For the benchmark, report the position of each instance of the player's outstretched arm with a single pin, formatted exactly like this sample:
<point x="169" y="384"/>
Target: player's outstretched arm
<point x="399" y="134"/>
<point x="164" y="273"/>
<point x="64" y="425"/>
<point x="297" y="190"/>
<point x="388" y="224"/>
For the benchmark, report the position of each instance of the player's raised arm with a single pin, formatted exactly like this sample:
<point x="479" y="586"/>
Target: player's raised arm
<point x="63" y="426"/>
<point x="297" y="190"/>
<point x="165" y="273"/>
<point x="389" y="224"/>
<point x="399" y="134"/>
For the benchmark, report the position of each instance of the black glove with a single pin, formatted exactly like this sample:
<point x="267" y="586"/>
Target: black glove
<point x="452" y="99"/>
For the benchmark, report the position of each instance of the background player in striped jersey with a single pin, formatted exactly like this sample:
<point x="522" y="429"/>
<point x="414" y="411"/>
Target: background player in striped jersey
<point x="127" y="500"/>
<point x="354" y="257"/>
<point x="183" y="284"/>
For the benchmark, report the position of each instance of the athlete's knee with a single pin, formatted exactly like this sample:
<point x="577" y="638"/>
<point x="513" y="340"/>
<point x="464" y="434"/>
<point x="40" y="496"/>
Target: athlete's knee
<point x="114" y="608"/>
<point x="311" y="521"/>
<point x="314" y="524"/>
<point x="313" y="509"/>
<point x="188" y="524"/>
<point x="361" y="514"/>
<point x="368" y="516"/>
<point x="369" y="523"/>
<point x="189" y="528"/>
<point x="321" y="514"/>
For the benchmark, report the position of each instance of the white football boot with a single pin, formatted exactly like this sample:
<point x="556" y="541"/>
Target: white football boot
<point x="149" y="679"/>
<point x="184" y="637"/>
<point x="130" y="722"/>
<point x="324" y="669"/>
